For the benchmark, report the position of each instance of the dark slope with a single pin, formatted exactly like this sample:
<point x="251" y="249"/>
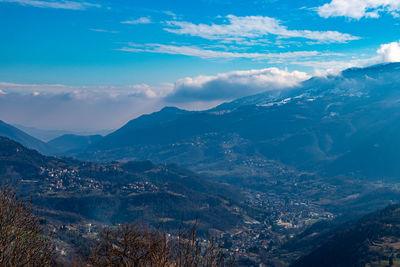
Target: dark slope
<point x="374" y="240"/>
<point x="69" y="144"/>
<point x="345" y="124"/>
<point x="144" y="130"/>
<point x="13" y="133"/>
<point x="116" y="192"/>
<point x="19" y="161"/>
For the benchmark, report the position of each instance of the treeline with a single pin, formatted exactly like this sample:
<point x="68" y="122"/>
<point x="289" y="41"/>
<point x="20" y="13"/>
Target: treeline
<point x="22" y="243"/>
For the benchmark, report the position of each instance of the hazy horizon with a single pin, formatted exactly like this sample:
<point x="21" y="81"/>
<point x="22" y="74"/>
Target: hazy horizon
<point x="95" y="65"/>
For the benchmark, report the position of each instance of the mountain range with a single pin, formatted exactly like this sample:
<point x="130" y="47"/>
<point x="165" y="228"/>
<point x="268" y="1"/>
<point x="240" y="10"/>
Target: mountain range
<point x="345" y="124"/>
<point x="64" y="144"/>
<point x="342" y="124"/>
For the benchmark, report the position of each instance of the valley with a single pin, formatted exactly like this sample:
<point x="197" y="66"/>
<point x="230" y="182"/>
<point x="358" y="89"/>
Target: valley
<point x="257" y="173"/>
<point x="253" y="222"/>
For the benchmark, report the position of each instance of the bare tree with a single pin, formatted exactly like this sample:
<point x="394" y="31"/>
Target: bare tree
<point x="189" y="250"/>
<point x="21" y="240"/>
<point x="129" y="246"/>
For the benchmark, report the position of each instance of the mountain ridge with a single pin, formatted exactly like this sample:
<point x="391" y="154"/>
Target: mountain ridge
<point x="18" y="135"/>
<point x="69" y="144"/>
<point x="323" y="125"/>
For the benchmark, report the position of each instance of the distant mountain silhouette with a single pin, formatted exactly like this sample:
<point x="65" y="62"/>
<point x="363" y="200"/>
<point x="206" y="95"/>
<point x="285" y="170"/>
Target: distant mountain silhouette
<point x="345" y="124"/>
<point x="48" y="135"/>
<point x="140" y="129"/>
<point x="16" y="134"/>
<point x="71" y="143"/>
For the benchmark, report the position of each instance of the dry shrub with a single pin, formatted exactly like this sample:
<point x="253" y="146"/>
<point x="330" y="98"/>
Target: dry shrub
<point x="21" y="240"/>
<point x="130" y="246"/>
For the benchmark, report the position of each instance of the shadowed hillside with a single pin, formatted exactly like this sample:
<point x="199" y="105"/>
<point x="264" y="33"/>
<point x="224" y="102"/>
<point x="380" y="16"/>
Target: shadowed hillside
<point x="73" y="144"/>
<point x="374" y="240"/>
<point x="119" y="192"/>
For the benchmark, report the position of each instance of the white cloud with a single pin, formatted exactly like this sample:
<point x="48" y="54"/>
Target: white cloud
<point x="170" y="13"/>
<point x="151" y="92"/>
<point x="195" y="51"/>
<point x="325" y="67"/>
<point x="102" y="30"/>
<point x="231" y="85"/>
<point x="142" y="20"/>
<point x="385" y="53"/>
<point x="390" y="52"/>
<point x="53" y="4"/>
<point x="357" y="9"/>
<point x="242" y="29"/>
<point x="19" y="87"/>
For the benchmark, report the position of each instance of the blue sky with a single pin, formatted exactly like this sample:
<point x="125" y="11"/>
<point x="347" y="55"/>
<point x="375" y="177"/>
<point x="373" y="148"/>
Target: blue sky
<point x="120" y="59"/>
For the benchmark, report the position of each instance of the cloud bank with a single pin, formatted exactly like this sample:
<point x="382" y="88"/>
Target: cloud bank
<point x="80" y="108"/>
<point x="231" y="85"/>
<point x="57" y="106"/>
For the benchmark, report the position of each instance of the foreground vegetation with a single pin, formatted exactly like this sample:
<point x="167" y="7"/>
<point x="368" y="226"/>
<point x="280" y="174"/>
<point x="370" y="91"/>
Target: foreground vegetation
<point x="129" y="245"/>
<point x="23" y="244"/>
<point x="21" y="240"/>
